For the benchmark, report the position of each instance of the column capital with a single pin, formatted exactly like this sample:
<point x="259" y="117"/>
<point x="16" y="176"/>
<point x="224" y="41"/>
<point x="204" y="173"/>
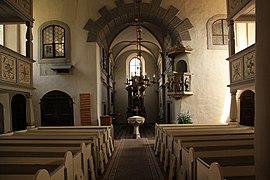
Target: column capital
<point x="231" y="22"/>
<point x="233" y="92"/>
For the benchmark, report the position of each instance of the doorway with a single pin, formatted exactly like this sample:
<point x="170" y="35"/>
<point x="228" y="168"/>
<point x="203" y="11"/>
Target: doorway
<point x="56" y="109"/>
<point x="18" y="108"/>
<point x="247" y="108"/>
<point x="1" y="118"/>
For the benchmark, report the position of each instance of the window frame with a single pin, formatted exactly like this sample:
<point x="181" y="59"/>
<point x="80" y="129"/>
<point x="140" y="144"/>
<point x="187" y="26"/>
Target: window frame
<point x="129" y="58"/>
<point x="139" y="64"/>
<point x="3" y="35"/>
<point x="67" y="50"/>
<point x="209" y="26"/>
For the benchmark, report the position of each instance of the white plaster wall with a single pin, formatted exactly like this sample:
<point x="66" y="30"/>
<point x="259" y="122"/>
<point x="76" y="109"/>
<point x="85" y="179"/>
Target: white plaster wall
<point x="210" y="102"/>
<point x="84" y="77"/>
<point x="209" y="66"/>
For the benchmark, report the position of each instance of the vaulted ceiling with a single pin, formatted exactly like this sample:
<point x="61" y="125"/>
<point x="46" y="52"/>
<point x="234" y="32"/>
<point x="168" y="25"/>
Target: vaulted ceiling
<point x="160" y="22"/>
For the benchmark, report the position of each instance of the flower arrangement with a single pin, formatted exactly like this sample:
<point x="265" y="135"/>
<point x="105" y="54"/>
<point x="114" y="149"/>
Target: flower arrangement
<point x="184" y="118"/>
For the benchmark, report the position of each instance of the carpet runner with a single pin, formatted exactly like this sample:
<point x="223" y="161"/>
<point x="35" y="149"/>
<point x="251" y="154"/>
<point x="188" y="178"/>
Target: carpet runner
<point x="133" y="159"/>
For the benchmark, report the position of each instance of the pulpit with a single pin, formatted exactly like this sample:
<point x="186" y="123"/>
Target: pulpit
<point x="136" y="121"/>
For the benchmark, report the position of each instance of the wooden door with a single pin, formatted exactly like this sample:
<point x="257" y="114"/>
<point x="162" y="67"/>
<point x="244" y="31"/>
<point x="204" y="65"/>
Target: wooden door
<point x="56" y="109"/>
<point x="247" y="108"/>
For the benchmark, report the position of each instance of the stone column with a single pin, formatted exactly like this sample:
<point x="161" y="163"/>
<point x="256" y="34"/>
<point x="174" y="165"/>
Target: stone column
<point x="233" y="110"/>
<point x="29" y="111"/>
<point x="231" y="37"/>
<point x="262" y="87"/>
<point x="29" y="39"/>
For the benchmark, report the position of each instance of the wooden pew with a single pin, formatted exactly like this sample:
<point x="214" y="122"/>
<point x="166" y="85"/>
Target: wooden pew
<point x="109" y="130"/>
<point x="105" y="139"/>
<point x="192" y="132"/>
<point x="160" y="127"/>
<point x="189" y="155"/>
<point x="165" y="132"/>
<point x="229" y="167"/>
<point x="57" y="144"/>
<point x="61" y="170"/>
<point x="47" y="135"/>
<point x="178" y="155"/>
<point x="174" y="132"/>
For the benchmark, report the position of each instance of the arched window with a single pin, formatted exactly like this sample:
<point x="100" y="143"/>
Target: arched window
<point x="220" y="32"/>
<point x="135" y="67"/>
<point x="53" y="42"/>
<point x="217" y="32"/>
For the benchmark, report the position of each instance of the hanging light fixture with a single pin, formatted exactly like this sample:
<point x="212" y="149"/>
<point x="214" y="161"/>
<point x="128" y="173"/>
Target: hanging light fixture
<point x="137" y="83"/>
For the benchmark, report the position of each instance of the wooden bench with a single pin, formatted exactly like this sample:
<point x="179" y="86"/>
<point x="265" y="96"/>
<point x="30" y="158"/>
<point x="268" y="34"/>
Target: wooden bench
<point x="61" y="169"/>
<point x="192" y="132"/>
<point x="65" y="143"/>
<point x="228" y="167"/>
<point x="189" y="155"/>
<point x="109" y="130"/>
<point x="40" y="150"/>
<point x="174" y="143"/>
<point x="104" y="135"/>
<point x="175" y="156"/>
<point x="164" y="133"/>
<point x="55" y="138"/>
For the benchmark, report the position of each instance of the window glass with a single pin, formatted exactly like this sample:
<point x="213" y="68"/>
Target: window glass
<point x="245" y="35"/>
<point x="135" y="67"/>
<point x="2" y="35"/>
<point x="53" y="38"/>
<point x="220" y="32"/>
<point x="217" y="32"/>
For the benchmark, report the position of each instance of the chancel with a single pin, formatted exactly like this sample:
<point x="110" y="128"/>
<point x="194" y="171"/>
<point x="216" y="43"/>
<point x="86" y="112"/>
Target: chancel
<point x="73" y="72"/>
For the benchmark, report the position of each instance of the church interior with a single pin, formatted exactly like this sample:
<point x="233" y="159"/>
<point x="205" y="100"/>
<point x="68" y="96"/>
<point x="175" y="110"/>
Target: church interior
<point x="137" y="89"/>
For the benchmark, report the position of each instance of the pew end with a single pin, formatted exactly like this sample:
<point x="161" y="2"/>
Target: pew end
<point x="42" y="174"/>
<point x="215" y="172"/>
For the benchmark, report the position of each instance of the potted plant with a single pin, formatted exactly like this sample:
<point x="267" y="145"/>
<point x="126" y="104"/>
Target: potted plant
<point x="184" y="118"/>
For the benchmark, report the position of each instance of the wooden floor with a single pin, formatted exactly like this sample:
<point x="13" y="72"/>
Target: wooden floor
<point x="134" y="159"/>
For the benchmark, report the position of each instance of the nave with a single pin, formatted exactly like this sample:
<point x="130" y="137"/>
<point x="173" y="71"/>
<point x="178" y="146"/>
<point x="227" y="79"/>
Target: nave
<point x="134" y="158"/>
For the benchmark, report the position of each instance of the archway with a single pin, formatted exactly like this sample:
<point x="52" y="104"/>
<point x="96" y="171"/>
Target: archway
<point x="18" y="108"/>
<point x="1" y="118"/>
<point x="56" y="109"/>
<point x="247" y="108"/>
<point x="181" y="66"/>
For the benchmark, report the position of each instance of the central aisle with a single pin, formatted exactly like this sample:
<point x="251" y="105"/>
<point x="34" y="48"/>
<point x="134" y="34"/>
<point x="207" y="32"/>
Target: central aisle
<point x="133" y="159"/>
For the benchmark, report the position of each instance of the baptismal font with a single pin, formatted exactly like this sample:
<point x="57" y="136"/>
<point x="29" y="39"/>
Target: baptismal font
<point x="136" y="111"/>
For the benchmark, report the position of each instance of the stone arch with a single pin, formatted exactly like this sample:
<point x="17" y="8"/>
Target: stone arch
<point x="113" y="21"/>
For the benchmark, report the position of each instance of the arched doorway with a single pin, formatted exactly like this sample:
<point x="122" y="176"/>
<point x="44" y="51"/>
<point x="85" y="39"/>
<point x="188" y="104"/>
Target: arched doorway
<point x="247" y="108"/>
<point x="18" y="108"/>
<point x="181" y="66"/>
<point x="56" y="109"/>
<point x="1" y="118"/>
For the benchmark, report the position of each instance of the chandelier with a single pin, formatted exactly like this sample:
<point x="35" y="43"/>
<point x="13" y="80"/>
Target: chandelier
<point x="137" y="83"/>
